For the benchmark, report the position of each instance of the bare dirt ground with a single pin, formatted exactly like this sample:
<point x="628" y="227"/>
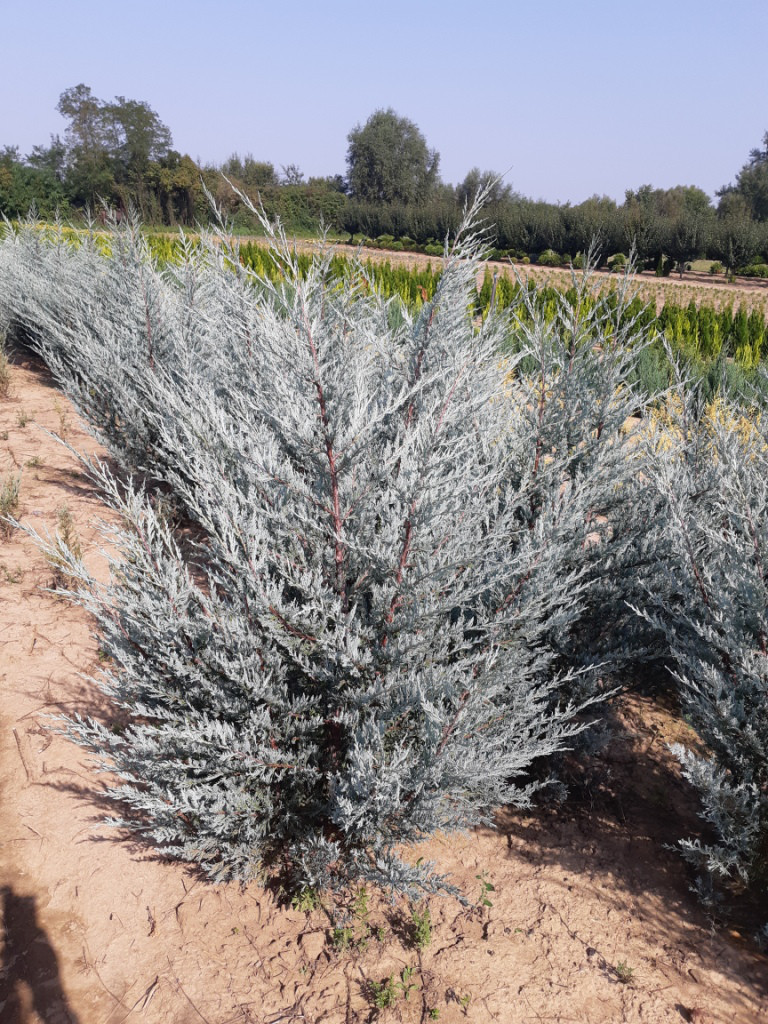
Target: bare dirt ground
<point x="591" y="918"/>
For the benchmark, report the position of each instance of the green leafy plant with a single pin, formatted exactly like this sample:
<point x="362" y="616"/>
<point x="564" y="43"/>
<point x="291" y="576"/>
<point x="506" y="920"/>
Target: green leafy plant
<point x="421" y="926"/>
<point x="386" y="993"/>
<point x="343" y="938"/>
<point x="485" y="888"/>
<point x="624" y="972"/>
<point x="306" y="900"/>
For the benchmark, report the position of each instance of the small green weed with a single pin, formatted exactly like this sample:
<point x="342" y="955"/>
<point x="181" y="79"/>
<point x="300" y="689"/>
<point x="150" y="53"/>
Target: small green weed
<point x="421" y="927"/>
<point x="35" y="462"/>
<point x="22" y="419"/>
<point x="434" y="1013"/>
<point x="306" y="901"/>
<point x="360" y="908"/>
<point x="624" y="972"/>
<point x="386" y="993"/>
<point x="354" y="930"/>
<point x="485" y="888"/>
<point x="342" y="938"/>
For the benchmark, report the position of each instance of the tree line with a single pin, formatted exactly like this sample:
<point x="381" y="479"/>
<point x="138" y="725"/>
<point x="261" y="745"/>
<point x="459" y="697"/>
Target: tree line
<point x="121" y="154"/>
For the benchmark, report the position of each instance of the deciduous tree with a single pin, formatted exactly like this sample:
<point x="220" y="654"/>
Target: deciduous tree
<point x="389" y="160"/>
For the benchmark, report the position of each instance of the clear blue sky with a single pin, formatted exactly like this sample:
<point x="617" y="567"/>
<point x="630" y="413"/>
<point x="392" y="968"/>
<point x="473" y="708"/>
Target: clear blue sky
<point x="572" y="98"/>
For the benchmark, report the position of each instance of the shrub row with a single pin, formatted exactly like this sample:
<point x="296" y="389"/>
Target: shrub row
<point x="428" y="548"/>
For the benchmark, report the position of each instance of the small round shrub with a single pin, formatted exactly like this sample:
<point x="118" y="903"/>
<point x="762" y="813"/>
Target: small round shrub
<point x="549" y="258"/>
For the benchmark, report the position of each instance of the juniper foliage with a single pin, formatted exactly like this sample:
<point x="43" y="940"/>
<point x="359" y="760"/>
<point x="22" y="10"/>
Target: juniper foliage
<point x="709" y="462"/>
<point x="376" y="636"/>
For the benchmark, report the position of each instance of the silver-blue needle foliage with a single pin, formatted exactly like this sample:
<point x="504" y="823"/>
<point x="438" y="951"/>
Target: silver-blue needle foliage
<point x="710" y="466"/>
<point x="406" y="530"/>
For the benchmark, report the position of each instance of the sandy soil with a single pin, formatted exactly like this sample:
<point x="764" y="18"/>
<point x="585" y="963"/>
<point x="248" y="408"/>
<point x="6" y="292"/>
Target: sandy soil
<point x="591" y="921"/>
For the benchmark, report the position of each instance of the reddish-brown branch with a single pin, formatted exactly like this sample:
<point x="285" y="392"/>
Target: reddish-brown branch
<point x="760" y="569"/>
<point x="150" y="348"/>
<point x="540" y="421"/>
<point x="450" y="727"/>
<point x="291" y="629"/>
<point x="336" y="516"/>
<point x="397" y="598"/>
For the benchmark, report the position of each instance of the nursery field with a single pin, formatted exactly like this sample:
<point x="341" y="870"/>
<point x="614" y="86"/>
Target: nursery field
<point x="375" y="647"/>
<point x="591" y="920"/>
<point x="704" y="288"/>
<point x="704" y="319"/>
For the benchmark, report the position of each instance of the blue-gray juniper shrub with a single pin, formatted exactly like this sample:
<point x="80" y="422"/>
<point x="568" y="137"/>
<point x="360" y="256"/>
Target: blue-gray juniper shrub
<point x="584" y="417"/>
<point x="405" y="525"/>
<point x="709" y="463"/>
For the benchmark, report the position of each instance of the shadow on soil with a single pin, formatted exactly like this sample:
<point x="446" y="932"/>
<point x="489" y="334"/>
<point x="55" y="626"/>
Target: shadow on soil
<point x="628" y="807"/>
<point x="30" y="986"/>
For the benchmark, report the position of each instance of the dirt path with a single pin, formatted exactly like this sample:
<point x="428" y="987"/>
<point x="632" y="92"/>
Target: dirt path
<point x="591" y="919"/>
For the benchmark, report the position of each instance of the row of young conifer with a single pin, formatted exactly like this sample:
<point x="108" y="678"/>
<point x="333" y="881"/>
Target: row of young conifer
<point x="707" y="339"/>
<point x="428" y="547"/>
<point x="712" y="342"/>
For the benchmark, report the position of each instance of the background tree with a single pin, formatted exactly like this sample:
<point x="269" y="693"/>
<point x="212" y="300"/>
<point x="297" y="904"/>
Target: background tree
<point x="691" y="224"/>
<point x="249" y="172"/>
<point x="644" y="226"/>
<point x="138" y="136"/>
<point x="175" y="183"/>
<point x="596" y="220"/>
<point x="109" y="146"/>
<point x="292" y="175"/>
<point x="490" y="181"/>
<point x="389" y="160"/>
<point x="33" y="182"/>
<point x="752" y="183"/>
